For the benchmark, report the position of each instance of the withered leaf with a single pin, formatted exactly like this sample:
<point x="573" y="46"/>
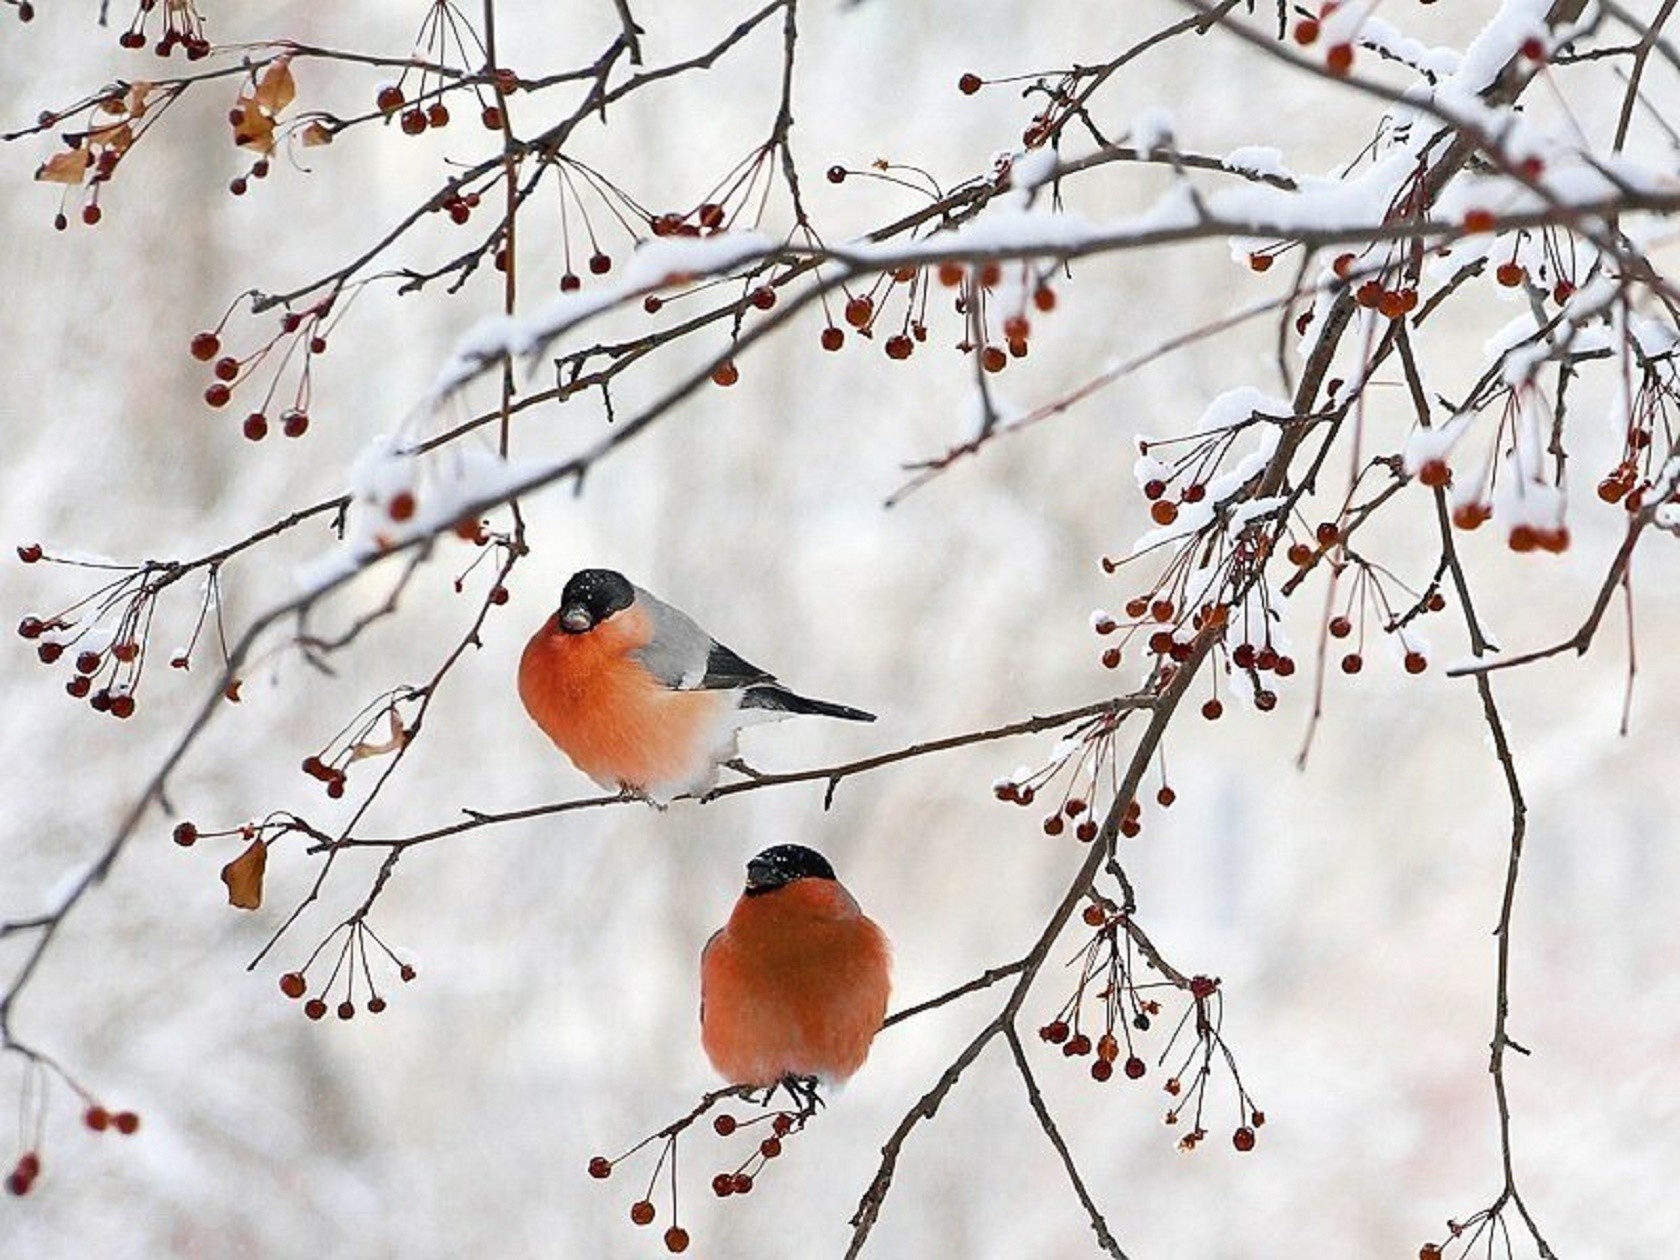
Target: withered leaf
<point x="244" y="877"/>
<point x="316" y="134"/>
<point x="275" y="90"/>
<point x="64" y="168"/>
<point x="255" y="129"/>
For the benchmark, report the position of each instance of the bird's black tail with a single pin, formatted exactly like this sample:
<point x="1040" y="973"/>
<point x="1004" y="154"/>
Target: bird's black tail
<point x="775" y="696"/>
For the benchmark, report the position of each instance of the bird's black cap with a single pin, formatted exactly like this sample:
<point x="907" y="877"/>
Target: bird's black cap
<point x="590" y="597"/>
<point x="779" y="866"/>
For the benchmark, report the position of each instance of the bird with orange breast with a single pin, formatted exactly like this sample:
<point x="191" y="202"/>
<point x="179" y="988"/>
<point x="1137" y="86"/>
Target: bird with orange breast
<point x="639" y="697"/>
<point x="794" y="987"/>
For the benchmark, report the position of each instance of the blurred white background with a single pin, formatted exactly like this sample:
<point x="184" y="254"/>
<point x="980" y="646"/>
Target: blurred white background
<point x="1347" y="908"/>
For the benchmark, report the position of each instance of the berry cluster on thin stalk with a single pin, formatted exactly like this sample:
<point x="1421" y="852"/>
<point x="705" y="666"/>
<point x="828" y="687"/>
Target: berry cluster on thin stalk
<point x="114" y="122"/>
<point x="758" y="1139"/>
<point x="180" y="26"/>
<point x="447" y="39"/>
<point x="1090" y="768"/>
<point x="33" y="1091"/>
<point x="377" y="730"/>
<point x="1484" y="1233"/>
<point x="105" y="636"/>
<point x="353" y="963"/>
<point x="299" y="336"/>
<point x="1109" y="1001"/>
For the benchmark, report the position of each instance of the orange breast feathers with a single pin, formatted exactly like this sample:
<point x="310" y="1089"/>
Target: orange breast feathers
<point x="618" y="723"/>
<point x="795" y="983"/>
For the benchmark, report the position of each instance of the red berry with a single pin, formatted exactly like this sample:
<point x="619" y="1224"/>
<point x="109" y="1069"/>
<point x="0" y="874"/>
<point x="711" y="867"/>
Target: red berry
<point x="1044" y="299"/>
<point x="1352" y="663"/>
<point x="723" y="1185"/>
<point x="600" y="264"/>
<point x="97" y="1118"/>
<point x="724" y="1125"/>
<point x="1416" y="662"/>
<point x="570" y="283"/>
<point x="292" y="984"/>
<point x="1078" y="1044"/>
<point x="407" y="972"/>
<point x="1340" y="627"/>
<point x="217" y="395"/>
<point x="1478" y="220"/>
<point x="1163" y="511"/>
<point x="91" y="213"/>
<point x="389" y="99"/>
<point x="126" y="1122"/>
<point x="1243" y="1139"/>
<point x="1135" y="1068"/>
<point x="226" y="368"/>
<point x="401" y="506"/>
<point x="1101" y="1070"/>
<point x="858" y="310"/>
<point x="600" y="1167"/>
<point x="743" y="1183"/>
<point x="969" y="84"/>
<point x="491" y="118"/>
<point x="255" y="427"/>
<point x="186" y="834"/>
<point x="315" y="1008"/>
<point x="18" y="1184"/>
<point x="1055" y="1032"/>
<point x="413" y="121"/>
<point x="1510" y="274"/>
<point x="205" y="345"/>
<point x="641" y="1212"/>
<point x="1111" y="658"/>
<point x="1306" y="31"/>
<point x="770" y="1147"/>
<point x="832" y="338"/>
<point x="1260" y="262"/>
<point x="726" y="373"/>
<point x="437" y="114"/>
<point x="899" y="346"/>
<point x="294" y="423"/>
<point x="837" y="174"/>
<point x="763" y="297"/>
<point x="676" y="1239"/>
<point x="376" y="1004"/>
<point x="1338" y="58"/>
<point x="1211" y="710"/>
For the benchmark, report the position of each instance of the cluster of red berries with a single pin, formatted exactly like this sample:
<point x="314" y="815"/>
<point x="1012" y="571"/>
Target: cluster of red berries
<point x="182" y="28"/>
<point x="301" y="334"/>
<point x="22" y="1177"/>
<point x="353" y="959"/>
<point x="729" y="1182"/>
<point x="21" y="1180"/>
<point x="108" y="678"/>
<point x="1338" y="57"/>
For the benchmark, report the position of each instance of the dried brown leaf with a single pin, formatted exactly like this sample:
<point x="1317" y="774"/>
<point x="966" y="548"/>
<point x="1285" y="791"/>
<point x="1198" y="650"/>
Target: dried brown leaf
<point x="276" y="89"/>
<point x="64" y="168"/>
<point x="244" y="877"/>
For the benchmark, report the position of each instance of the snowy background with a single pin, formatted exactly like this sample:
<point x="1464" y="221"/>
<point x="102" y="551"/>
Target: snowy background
<point x="1347" y="908"/>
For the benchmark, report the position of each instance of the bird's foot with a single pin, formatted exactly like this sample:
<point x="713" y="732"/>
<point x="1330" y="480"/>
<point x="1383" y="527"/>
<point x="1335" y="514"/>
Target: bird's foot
<point x="740" y="767"/>
<point x="628" y="793"/>
<point x="803" y="1091"/>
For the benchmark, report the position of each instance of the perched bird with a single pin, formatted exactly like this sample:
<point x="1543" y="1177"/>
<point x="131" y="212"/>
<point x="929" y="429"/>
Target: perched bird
<point x="641" y="698"/>
<point x="795" y="984"/>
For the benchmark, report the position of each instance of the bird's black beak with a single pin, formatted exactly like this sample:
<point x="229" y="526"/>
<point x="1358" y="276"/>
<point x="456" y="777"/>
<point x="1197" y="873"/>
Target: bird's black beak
<point x="761" y="876"/>
<point x="575" y="619"/>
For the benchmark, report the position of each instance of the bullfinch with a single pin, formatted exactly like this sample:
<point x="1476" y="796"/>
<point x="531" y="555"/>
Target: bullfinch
<point x="795" y="984"/>
<point x="638" y="696"/>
